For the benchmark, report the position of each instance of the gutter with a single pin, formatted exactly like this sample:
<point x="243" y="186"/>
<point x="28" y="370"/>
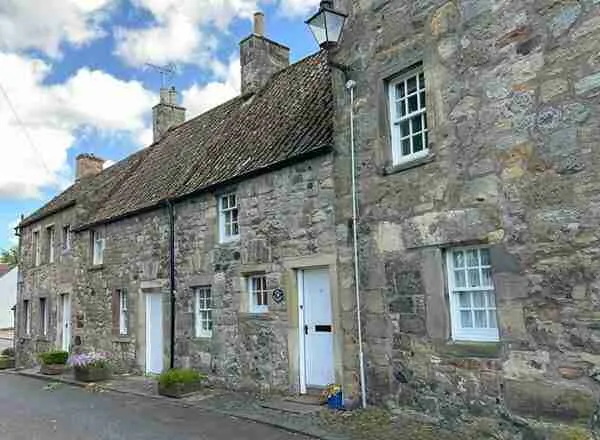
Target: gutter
<point x="172" y="298"/>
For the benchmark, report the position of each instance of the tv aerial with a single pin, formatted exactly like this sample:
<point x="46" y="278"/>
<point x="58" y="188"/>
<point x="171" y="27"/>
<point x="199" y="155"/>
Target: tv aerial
<point x="166" y="72"/>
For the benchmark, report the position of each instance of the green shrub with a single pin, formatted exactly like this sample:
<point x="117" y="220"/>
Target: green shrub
<point x="53" y="357"/>
<point x="180" y="376"/>
<point x="8" y="352"/>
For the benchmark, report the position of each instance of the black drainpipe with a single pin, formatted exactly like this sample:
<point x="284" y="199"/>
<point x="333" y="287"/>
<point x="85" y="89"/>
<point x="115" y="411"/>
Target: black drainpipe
<point x="172" y="277"/>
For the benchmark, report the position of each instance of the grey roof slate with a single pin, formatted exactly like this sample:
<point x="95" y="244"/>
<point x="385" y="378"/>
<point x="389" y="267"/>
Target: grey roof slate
<point x="291" y="116"/>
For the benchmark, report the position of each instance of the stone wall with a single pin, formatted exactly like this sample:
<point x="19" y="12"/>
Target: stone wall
<point x="513" y="112"/>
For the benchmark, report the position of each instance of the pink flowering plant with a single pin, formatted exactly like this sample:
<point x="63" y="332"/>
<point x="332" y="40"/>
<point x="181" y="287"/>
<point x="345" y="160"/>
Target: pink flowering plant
<point x="94" y="359"/>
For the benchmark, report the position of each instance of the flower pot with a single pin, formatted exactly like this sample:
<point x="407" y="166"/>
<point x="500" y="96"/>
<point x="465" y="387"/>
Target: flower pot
<point x="178" y="390"/>
<point x="336" y="401"/>
<point x="52" y="369"/>
<point x="91" y="374"/>
<point x="6" y="362"/>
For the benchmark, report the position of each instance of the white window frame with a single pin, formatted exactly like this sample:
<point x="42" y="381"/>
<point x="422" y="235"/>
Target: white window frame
<point x="66" y="237"/>
<point x="98" y="246"/>
<point x="37" y="248"/>
<point x="27" y="316"/>
<point x="123" y="312"/>
<point x="51" y="232"/>
<point x="44" y="316"/>
<point x="459" y="333"/>
<point x="255" y="291"/>
<point x="397" y="120"/>
<point x="203" y="312"/>
<point x="226" y="210"/>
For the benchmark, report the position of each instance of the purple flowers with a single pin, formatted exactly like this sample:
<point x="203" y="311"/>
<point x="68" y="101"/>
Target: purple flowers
<point x="94" y="359"/>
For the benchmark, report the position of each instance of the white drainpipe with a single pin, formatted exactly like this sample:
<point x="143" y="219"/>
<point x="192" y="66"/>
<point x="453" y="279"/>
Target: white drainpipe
<point x="361" y="358"/>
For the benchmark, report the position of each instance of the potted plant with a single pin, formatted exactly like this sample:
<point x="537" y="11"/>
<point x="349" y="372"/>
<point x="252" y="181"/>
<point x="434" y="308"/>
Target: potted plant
<point x="53" y="362"/>
<point x="332" y="394"/>
<point x="7" y="359"/>
<point x="91" y="367"/>
<point x="178" y="382"/>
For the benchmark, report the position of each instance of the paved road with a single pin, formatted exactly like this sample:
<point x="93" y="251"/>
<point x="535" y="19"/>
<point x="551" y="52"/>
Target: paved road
<point x="30" y="412"/>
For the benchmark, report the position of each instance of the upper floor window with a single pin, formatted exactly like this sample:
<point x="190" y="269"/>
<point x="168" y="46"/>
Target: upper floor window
<point x="203" y="307"/>
<point x="228" y="218"/>
<point x="66" y="237"/>
<point x="259" y="295"/>
<point x="26" y="317"/>
<point x="50" y="243"/>
<point x="37" y="252"/>
<point x="472" y="296"/>
<point x="98" y="242"/>
<point x="408" y="116"/>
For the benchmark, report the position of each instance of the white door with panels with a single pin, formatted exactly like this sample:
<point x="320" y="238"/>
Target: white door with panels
<point x="316" y="329"/>
<point x="154" y="333"/>
<point x="64" y="323"/>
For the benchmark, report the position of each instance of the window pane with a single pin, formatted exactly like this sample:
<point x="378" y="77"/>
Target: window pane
<point x="416" y="124"/>
<point x="472" y="260"/>
<point x="492" y="319"/>
<point x="459" y="260"/>
<point x="232" y="201"/>
<point x="466" y="320"/>
<point x="235" y="229"/>
<point x="404" y="129"/>
<point x="485" y="257"/>
<point x="234" y="215"/>
<point x="491" y="300"/>
<point x="459" y="278"/>
<point x="424" y="116"/>
<point x="464" y="301"/>
<point x="406" y="147"/>
<point x="487" y="277"/>
<point x="403" y="108"/>
<point x="422" y="80"/>
<point x="417" y="143"/>
<point x="413" y="104"/>
<point x="473" y="277"/>
<point x="411" y="84"/>
<point x="400" y="90"/>
<point x="479" y="300"/>
<point x="480" y="319"/>
<point x="423" y="100"/>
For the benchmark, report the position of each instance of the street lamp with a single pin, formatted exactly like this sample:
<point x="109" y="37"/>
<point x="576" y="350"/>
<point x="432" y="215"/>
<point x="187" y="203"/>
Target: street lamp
<point x="327" y="24"/>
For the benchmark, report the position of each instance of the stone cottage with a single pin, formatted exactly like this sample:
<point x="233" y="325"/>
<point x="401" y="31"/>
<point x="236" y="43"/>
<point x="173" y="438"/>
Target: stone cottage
<point x="476" y="128"/>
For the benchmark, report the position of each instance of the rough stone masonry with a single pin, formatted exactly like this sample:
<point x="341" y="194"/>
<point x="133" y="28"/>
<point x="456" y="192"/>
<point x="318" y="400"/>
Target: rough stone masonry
<point x="513" y="109"/>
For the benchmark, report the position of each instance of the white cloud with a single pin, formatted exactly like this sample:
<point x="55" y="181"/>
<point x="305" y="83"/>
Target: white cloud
<point x="53" y="115"/>
<point x="199" y="98"/>
<point x="45" y="24"/>
<point x="184" y="31"/>
<point x="298" y="8"/>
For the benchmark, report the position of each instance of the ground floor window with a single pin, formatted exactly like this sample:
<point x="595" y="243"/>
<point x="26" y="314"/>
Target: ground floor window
<point x="26" y="317"/>
<point x="259" y="295"/>
<point x="203" y="308"/>
<point x="472" y="296"/>
<point x="43" y="317"/>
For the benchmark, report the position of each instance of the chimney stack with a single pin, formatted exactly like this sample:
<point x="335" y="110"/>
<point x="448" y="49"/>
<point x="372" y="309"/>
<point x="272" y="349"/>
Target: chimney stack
<point x="260" y="57"/>
<point x="166" y="113"/>
<point x="87" y="165"/>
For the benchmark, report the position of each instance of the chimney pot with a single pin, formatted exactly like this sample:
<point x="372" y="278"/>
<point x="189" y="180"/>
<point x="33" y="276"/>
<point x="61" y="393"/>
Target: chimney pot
<point x="259" y="24"/>
<point x="87" y="165"/>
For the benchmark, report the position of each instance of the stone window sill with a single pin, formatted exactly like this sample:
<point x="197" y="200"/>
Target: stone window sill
<point x="95" y="267"/>
<point x="393" y="169"/>
<point x="122" y="339"/>
<point x="490" y="350"/>
<point x="256" y="316"/>
<point x="42" y="339"/>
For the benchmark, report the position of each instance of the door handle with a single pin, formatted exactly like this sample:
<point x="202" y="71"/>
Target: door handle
<point x="305" y="329"/>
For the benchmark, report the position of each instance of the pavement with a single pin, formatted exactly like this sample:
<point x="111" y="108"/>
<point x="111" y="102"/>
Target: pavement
<point x="31" y="409"/>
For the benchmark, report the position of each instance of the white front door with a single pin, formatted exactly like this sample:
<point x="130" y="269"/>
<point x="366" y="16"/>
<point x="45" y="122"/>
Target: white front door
<point x="65" y="322"/>
<point x="154" y="333"/>
<point x="316" y="329"/>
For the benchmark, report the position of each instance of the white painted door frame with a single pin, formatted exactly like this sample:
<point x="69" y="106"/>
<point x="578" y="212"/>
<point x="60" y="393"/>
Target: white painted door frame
<point x="65" y="322"/>
<point x="302" y="346"/>
<point x="154" y="333"/>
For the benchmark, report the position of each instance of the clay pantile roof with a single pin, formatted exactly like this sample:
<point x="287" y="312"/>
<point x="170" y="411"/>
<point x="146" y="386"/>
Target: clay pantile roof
<point x="290" y="118"/>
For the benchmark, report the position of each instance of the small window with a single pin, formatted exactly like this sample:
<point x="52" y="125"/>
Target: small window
<point x="203" y="307"/>
<point x="98" y="243"/>
<point x="228" y="218"/>
<point x="259" y="295"/>
<point x="472" y="297"/>
<point x="43" y="317"/>
<point x="123" y="312"/>
<point x="36" y="248"/>
<point x="26" y="317"/>
<point x="408" y="116"/>
<point x="66" y="237"/>
<point x="50" y="243"/>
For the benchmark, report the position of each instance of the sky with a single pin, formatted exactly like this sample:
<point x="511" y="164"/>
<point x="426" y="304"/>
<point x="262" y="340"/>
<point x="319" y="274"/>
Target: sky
<point x="74" y="79"/>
